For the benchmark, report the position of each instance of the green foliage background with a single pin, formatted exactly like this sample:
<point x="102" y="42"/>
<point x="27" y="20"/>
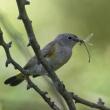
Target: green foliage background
<point x="49" y="18"/>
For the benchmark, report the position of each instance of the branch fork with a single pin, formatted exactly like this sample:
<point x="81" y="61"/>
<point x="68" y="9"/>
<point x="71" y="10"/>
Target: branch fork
<point x="69" y="97"/>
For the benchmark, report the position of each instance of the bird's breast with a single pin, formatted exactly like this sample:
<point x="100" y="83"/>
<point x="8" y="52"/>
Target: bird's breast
<point x="60" y="57"/>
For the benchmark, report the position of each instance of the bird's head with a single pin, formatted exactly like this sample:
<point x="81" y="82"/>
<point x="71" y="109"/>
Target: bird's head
<point x="67" y="39"/>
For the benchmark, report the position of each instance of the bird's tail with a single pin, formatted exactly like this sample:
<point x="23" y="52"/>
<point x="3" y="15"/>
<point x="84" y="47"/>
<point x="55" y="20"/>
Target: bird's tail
<point x="15" y="80"/>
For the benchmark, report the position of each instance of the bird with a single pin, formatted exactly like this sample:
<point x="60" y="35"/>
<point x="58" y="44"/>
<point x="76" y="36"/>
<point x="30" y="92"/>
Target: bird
<point x="57" y="53"/>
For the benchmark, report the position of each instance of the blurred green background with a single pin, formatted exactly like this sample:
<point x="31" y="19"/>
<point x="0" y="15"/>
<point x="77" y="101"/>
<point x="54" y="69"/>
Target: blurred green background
<point x="49" y="18"/>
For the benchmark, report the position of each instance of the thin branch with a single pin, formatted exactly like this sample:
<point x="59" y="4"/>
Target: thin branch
<point x="69" y="97"/>
<point x="34" y="44"/>
<point x="99" y="105"/>
<point x="17" y="66"/>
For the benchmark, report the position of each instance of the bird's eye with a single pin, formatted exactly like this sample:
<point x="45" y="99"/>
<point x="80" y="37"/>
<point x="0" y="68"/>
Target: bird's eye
<point x="69" y="37"/>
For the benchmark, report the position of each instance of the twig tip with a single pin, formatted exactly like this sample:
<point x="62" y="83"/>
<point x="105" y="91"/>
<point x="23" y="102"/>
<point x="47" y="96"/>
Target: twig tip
<point x="9" y="44"/>
<point x="7" y="62"/>
<point x="27" y="2"/>
<point x="100" y="102"/>
<point x="19" y="17"/>
<point x="28" y="44"/>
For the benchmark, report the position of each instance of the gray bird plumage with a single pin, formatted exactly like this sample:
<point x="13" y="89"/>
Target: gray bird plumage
<point x="57" y="53"/>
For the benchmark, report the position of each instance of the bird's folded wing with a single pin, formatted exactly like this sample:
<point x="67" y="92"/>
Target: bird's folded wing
<point x="47" y="52"/>
<point x="31" y="63"/>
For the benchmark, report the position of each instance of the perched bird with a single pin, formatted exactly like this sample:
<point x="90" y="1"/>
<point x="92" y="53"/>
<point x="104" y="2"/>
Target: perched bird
<point x="57" y="53"/>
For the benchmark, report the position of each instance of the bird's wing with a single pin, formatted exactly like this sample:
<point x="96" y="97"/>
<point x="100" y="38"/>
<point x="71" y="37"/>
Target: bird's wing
<point x="31" y="63"/>
<point x="47" y="51"/>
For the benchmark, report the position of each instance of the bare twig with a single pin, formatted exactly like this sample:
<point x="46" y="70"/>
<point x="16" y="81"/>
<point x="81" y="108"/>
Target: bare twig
<point x="69" y="97"/>
<point x="43" y="94"/>
<point x="99" y="105"/>
<point x="34" y="44"/>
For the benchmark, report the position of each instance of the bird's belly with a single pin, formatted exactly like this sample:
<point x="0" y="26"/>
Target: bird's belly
<point x="55" y="61"/>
